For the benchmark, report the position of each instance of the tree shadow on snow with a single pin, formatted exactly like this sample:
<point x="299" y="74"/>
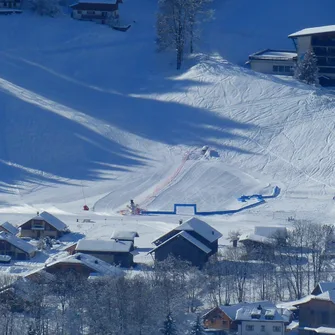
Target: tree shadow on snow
<point x="67" y="128"/>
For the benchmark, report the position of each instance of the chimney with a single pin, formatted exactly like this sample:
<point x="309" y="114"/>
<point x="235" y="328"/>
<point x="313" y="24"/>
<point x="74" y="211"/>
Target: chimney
<point x="116" y="240"/>
<point x="180" y="221"/>
<point x="259" y="307"/>
<point x="38" y="213"/>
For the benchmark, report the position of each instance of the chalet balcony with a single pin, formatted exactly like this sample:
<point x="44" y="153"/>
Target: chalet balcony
<point x="323" y="42"/>
<point x="37" y="227"/>
<point x="324" y="51"/>
<point x="327" y="70"/>
<point x="326" y="61"/>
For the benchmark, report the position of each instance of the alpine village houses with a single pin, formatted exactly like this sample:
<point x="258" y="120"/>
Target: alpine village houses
<point x="43" y="225"/>
<point x="100" y="11"/>
<point x="281" y="62"/>
<point x="194" y="241"/>
<point x="247" y="318"/>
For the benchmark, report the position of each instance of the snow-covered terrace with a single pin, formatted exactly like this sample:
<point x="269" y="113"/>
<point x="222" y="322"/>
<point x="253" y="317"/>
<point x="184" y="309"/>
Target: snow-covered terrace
<point x="269" y="54"/>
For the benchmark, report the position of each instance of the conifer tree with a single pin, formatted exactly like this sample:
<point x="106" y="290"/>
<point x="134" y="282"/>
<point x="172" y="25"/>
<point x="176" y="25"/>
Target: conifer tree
<point x="169" y="326"/>
<point x="197" y="328"/>
<point x="307" y="70"/>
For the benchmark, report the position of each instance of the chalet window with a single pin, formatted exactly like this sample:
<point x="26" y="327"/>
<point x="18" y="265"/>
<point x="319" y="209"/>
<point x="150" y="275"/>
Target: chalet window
<point x="91" y="12"/>
<point x="275" y="68"/>
<point x="281" y="68"/>
<point x="262" y="328"/>
<point x="249" y="328"/>
<point x="37" y="224"/>
<point x="288" y="69"/>
<point x="79" y="12"/>
<point x="277" y="329"/>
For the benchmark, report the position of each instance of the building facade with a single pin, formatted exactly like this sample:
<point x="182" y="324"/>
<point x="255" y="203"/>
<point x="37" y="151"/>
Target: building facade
<point x="194" y="241"/>
<point x="110" y="251"/>
<point x="15" y="247"/>
<point x="101" y="12"/>
<point x="277" y="62"/>
<point x="10" y="4"/>
<point x="317" y="314"/>
<point x="217" y="319"/>
<point x="43" y="225"/>
<point x="260" y="321"/>
<point x="322" y="41"/>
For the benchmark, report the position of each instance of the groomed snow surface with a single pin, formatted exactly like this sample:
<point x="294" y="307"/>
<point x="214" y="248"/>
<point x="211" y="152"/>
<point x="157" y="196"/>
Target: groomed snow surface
<point x="94" y="116"/>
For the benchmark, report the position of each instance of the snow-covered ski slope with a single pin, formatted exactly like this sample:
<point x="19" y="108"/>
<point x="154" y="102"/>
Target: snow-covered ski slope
<point x="93" y="115"/>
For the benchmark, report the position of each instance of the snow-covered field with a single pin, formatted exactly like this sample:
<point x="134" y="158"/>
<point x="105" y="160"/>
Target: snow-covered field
<point x="92" y="115"/>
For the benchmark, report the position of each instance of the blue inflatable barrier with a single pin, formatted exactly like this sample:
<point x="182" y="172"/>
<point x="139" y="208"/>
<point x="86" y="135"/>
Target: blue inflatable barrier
<point x="243" y="198"/>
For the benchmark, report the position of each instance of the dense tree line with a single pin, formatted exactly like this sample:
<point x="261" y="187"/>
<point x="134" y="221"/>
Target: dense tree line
<point x="169" y="297"/>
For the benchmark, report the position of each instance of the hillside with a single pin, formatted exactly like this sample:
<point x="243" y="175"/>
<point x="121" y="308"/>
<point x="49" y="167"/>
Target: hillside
<point x="88" y="112"/>
<point x="243" y="27"/>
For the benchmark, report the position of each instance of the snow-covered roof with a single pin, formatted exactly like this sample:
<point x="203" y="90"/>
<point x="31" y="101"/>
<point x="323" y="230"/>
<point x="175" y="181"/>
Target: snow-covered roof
<point x="104" y="245"/>
<point x="124" y="235"/>
<point x="52" y="220"/>
<point x="270" y="231"/>
<point x="200" y="227"/>
<point x="17" y="242"/>
<point x="187" y="237"/>
<point x="96" y="264"/>
<point x="326" y="296"/>
<point x="231" y="311"/>
<point x="256" y="238"/>
<point x="293" y="325"/>
<point x="10" y="228"/>
<point x="266" y="314"/>
<point x="269" y="54"/>
<point x="313" y="31"/>
<point x="319" y="330"/>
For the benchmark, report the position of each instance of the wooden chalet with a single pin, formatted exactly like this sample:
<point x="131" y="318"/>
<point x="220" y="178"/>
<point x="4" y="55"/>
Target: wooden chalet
<point x="79" y="264"/>
<point x="220" y="319"/>
<point x="101" y="11"/>
<point x="194" y="241"/>
<point x="317" y="314"/>
<point x="8" y="228"/>
<point x="111" y="251"/>
<point x="43" y="225"/>
<point x="228" y="319"/>
<point x="16" y="248"/>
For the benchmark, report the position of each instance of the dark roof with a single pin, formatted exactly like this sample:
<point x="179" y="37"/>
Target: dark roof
<point x="188" y="238"/>
<point x="10" y="228"/>
<point x="105" y="7"/>
<point x="198" y="226"/>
